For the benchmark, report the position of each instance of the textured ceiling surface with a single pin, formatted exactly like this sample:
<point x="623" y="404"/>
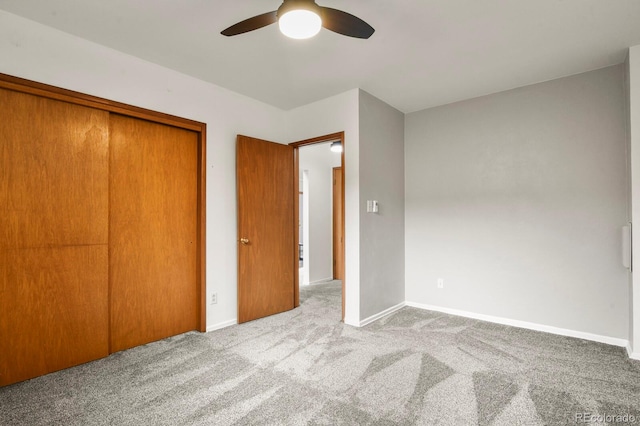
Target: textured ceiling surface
<point x="424" y="52"/>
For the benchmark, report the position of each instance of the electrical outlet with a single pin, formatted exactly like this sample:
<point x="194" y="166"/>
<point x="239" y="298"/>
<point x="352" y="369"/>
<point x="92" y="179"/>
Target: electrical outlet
<point x="440" y="282"/>
<point x="214" y="298"/>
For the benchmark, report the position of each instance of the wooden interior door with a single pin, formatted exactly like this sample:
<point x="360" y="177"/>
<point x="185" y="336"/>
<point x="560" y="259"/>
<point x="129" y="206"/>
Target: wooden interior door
<point x="53" y="235"/>
<point x="152" y="231"/>
<point x="338" y="225"/>
<point x="267" y="257"/>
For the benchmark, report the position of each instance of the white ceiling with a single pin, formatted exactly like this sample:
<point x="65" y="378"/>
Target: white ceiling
<point x="424" y="52"/>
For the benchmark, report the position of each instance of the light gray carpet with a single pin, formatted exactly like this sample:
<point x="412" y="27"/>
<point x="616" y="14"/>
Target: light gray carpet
<point x="305" y="367"/>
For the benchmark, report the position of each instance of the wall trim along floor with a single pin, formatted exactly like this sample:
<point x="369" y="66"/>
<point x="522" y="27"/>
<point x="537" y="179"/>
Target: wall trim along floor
<point x="381" y="314"/>
<point x="524" y="324"/>
<point x="223" y="324"/>
<point x="489" y="318"/>
<point x="632" y="355"/>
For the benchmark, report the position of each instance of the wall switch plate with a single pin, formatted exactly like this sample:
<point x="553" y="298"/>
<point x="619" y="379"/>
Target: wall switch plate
<point x="440" y="282"/>
<point x="214" y="298"/>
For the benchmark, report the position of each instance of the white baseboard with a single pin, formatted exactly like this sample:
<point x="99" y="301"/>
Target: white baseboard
<point x="220" y="325"/>
<point x="524" y="324"/>
<point x="632" y="355"/>
<point x="353" y="322"/>
<point x="379" y="315"/>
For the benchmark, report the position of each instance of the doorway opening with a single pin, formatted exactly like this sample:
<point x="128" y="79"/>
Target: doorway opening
<point x="319" y="225"/>
<point x="304" y="221"/>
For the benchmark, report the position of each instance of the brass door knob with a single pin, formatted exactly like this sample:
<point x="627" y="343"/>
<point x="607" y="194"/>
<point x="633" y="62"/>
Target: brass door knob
<point x="244" y="241"/>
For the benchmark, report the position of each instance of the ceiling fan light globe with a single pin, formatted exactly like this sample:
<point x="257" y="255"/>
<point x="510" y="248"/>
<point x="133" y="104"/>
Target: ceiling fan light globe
<point x="300" y="24"/>
<point x="336" y="147"/>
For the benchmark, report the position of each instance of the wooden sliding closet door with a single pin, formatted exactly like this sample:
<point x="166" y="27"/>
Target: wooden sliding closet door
<point x="152" y="231"/>
<point x="53" y="235"/>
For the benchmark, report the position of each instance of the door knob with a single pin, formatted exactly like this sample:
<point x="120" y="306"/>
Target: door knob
<point x="244" y="241"/>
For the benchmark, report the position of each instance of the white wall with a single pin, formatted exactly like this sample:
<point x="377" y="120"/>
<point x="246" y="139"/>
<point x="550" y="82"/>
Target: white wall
<point x="335" y="114"/>
<point x="319" y="162"/>
<point x="634" y="141"/>
<point x="382" y="275"/>
<point x="516" y="200"/>
<point x="40" y="53"/>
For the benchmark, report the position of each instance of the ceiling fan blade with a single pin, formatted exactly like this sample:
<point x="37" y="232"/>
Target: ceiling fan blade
<point x="345" y="23"/>
<point x="251" y="24"/>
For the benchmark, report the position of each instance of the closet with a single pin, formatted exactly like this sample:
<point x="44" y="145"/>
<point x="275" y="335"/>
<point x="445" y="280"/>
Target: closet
<point x="101" y="228"/>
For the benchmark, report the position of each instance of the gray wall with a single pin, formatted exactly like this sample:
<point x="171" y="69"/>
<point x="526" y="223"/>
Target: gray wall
<point x="382" y="179"/>
<point x="634" y="142"/>
<point x="516" y="200"/>
<point x="627" y="91"/>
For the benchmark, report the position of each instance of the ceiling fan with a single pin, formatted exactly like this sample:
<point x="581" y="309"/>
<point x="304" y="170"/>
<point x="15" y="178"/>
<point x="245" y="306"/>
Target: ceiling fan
<point x="302" y="19"/>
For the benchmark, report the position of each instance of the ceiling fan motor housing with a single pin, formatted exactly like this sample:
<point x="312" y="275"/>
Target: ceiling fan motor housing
<point x="289" y="5"/>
